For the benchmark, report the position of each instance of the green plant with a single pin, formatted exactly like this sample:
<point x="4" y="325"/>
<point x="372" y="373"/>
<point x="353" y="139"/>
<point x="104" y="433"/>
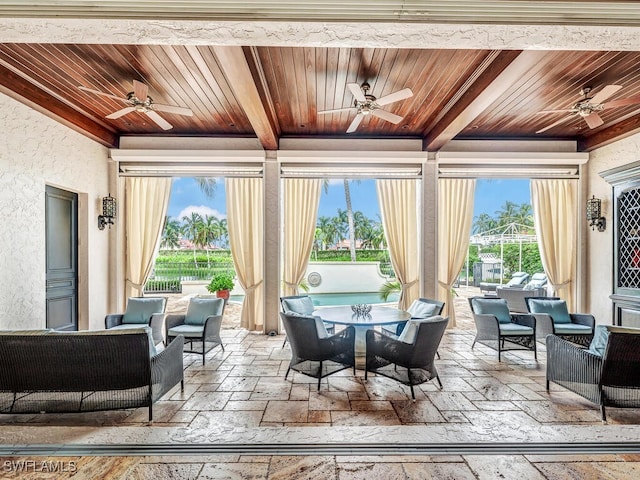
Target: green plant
<point x="388" y="288"/>
<point x="221" y="281"/>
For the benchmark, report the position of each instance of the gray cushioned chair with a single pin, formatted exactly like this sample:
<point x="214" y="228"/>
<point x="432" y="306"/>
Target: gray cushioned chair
<point x="501" y="330"/>
<point x="201" y="324"/>
<point x="140" y="311"/>
<point x="313" y="352"/>
<point x="607" y="373"/>
<point x="553" y="318"/>
<point x="409" y="359"/>
<point x="303" y="305"/>
<point x="420" y="308"/>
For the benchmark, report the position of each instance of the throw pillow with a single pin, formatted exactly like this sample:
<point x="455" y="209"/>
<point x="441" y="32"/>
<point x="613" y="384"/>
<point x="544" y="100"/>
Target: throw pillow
<point x="139" y="310"/>
<point x="419" y="309"/>
<point x="410" y="331"/>
<point x="492" y="306"/>
<point x="557" y="309"/>
<point x="599" y="342"/>
<point x="303" y="305"/>
<point x="201" y="308"/>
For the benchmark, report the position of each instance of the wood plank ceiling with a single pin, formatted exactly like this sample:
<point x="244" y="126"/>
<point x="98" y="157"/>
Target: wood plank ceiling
<point x="276" y="92"/>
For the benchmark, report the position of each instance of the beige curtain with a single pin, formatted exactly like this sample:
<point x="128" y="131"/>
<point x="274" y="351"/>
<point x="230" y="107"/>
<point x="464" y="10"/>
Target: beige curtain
<point x="455" y="215"/>
<point x="301" y="199"/>
<point x="245" y="221"/>
<point x="146" y="203"/>
<point x="399" y="211"/>
<point x="554" y="213"/>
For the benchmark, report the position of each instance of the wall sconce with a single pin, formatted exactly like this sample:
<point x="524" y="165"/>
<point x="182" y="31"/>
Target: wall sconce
<point x="108" y="212"/>
<point x="593" y="214"/>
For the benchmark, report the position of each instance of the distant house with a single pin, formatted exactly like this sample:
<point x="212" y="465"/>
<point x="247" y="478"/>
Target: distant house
<point x="345" y="245"/>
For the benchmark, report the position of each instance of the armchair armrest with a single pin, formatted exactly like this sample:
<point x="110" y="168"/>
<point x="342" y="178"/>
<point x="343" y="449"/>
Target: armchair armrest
<point x="113" y="320"/>
<point x="544" y="324"/>
<point x="567" y="363"/>
<point x="212" y="326"/>
<point x="487" y="324"/>
<point x="341" y="343"/>
<point x="156" y="323"/>
<point x="583" y="319"/>
<point x="394" y="350"/>
<point x="167" y="368"/>
<point x="171" y="321"/>
<point x="524" y="319"/>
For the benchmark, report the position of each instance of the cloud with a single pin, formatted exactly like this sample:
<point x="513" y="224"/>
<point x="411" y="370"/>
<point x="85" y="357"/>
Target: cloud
<point x="202" y="210"/>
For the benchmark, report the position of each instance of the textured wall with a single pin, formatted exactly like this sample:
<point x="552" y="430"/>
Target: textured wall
<point x="600" y="244"/>
<point x="36" y="151"/>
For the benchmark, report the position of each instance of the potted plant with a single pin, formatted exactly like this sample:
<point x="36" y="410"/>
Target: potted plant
<point x="221" y="283"/>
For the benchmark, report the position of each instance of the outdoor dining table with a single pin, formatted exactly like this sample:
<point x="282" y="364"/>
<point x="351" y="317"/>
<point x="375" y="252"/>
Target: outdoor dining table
<point x="379" y="315"/>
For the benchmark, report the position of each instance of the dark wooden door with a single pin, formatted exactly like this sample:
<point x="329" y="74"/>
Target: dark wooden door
<point x="61" y="226"/>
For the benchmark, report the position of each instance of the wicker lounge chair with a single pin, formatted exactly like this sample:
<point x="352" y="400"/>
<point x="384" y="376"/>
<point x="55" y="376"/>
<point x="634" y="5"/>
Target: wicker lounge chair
<point x="201" y="324"/>
<point x="140" y="311"/>
<point x="553" y="318"/>
<point x="607" y="373"/>
<point x="501" y="330"/>
<point x="313" y="352"/>
<point x="409" y="359"/>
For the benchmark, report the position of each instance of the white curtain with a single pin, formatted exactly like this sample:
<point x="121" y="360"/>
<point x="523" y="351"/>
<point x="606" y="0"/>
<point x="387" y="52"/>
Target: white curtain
<point x="301" y="199"/>
<point x="554" y="212"/>
<point x="455" y="215"/>
<point x="399" y="211"/>
<point x="245" y="221"/>
<point x="146" y="203"/>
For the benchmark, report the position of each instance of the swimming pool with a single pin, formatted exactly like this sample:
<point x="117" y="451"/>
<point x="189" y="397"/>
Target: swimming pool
<point x="323" y="299"/>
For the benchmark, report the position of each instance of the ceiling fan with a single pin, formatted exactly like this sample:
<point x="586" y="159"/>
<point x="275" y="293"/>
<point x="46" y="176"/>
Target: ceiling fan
<point x="366" y="104"/>
<point x="588" y="107"/>
<point x="140" y="101"/>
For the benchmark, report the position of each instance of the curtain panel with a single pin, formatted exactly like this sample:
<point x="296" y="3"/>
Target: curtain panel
<point x="146" y="203"/>
<point x="554" y="213"/>
<point x="455" y="216"/>
<point x="245" y="221"/>
<point x="301" y="200"/>
<point x="399" y="210"/>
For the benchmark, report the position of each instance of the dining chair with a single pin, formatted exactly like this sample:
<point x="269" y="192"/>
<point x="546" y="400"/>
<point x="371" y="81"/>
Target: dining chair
<point x="420" y="308"/>
<point x="313" y="352"/>
<point x="301" y="304"/>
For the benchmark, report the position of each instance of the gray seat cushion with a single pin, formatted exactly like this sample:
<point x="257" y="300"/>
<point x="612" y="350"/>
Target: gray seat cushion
<point x="515" y="329"/>
<point x="571" y="329"/>
<point x="188" y="331"/>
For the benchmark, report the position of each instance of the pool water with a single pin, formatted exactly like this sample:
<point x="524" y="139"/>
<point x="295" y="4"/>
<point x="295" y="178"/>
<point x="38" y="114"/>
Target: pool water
<point x="324" y="299"/>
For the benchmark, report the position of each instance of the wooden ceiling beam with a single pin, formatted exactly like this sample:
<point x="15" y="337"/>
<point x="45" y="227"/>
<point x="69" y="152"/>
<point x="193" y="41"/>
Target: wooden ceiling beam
<point x="236" y="68"/>
<point x="492" y="78"/>
<point x="611" y="134"/>
<point x="22" y="90"/>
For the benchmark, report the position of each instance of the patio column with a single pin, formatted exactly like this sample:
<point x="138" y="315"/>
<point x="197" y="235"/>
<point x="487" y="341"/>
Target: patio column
<point x="271" y="243"/>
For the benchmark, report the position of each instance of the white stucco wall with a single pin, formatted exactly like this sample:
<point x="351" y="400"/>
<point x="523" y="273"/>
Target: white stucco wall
<point x="346" y="277"/>
<point x="36" y="151"/>
<point x="600" y="244"/>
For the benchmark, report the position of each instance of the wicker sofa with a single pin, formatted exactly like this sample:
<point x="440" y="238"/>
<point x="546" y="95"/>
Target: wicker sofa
<point x="47" y="371"/>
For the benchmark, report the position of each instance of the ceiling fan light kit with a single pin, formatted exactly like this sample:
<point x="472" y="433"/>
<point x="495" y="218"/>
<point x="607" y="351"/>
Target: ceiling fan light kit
<point x="140" y="101"/>
<point x="367" y="104"/>
<point x="588" y="107"/>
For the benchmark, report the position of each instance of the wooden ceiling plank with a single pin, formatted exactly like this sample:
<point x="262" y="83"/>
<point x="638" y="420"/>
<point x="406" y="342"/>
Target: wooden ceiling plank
<point x="611" y="134"/>
<point x="234" y="65"/>
<point x="21" y="89"/>
<point x="506" y="68"/>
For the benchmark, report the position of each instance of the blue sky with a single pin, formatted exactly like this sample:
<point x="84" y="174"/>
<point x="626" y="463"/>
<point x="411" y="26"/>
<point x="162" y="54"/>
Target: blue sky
<point x="490" y="196"/>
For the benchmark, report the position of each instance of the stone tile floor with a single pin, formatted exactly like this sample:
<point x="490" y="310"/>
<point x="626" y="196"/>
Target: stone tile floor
<point x="240" y="398"/>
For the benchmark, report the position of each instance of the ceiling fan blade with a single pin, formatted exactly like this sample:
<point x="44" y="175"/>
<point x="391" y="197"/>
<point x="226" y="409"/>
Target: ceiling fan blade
<point x="172" y="109"/>
<point x="120" y="113"/>
<point x="140" y="90"/>
<point x="562" y="120"/>
<point x="388" y="116"/>
<point x="161" y="122"/>
<point x="357" y="92"/>
<point x="336" y="110"/>
<point x="394" y="97"/>
<point x="593" y="120"/>
<point x="605" y="93"/>
<point x="91" y="90"/>
<point x="354" y="124"/>
<point x="557" y="111"/>
<point x="622" y="102"/>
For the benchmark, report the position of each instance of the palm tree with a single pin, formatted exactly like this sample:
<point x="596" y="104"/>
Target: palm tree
<point x="207" y="185"/>
<point x="524" y="215"/>
<point x="483" y="223"/>
<point x="327" y="231"/>
<point x="351" y="229"/>
<point x="192" y="228"/>
<point x="507" y="214"/>
<point x="210" y="232"/>
<point x="171" y="234"/>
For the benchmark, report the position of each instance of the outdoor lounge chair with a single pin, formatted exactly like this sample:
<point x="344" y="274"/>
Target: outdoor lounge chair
<point x="140" y="311"/>
<point x="201" y="324"/>
<point x="501" y="330"/>
<point x="301" y="304"/>
<point x="553" y="318"/>
<point x="607" y="373"/>
<point x="313" y="352"/>
<point x="420" y="308"/>
<point x="409" y="359"/>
